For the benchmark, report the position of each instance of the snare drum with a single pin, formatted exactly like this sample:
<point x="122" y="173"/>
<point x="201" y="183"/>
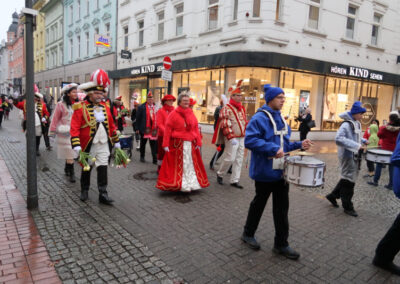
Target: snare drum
<point x="378" y="156"/>
<point x="304" y="171"/>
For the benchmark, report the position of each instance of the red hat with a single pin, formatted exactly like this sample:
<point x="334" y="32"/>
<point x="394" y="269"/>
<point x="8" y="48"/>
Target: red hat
<point x="135" y="103"/>
<point x="118" y="98"/>
<point x="235" y="89"/>
<point x="192" y="102"/>
<point x="150" y="95"/>
<point x="168" y="98"/>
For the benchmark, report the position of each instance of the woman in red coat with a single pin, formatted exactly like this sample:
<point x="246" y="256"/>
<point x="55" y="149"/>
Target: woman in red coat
<point x="161" y="119"/>
<point x="182" y="168"/>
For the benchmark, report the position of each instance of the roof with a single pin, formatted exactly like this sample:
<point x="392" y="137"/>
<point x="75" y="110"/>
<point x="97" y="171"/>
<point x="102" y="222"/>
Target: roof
<point x="14" y="26"/>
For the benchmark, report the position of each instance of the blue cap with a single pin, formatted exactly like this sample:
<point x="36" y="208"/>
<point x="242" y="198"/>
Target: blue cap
<point x="271" y="92"/>
<point x="357" y="108"/>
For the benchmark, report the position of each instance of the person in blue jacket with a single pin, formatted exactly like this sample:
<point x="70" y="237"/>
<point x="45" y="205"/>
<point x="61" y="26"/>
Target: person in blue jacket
<point x="267" y="136"/>
<point x="389" y="246"/>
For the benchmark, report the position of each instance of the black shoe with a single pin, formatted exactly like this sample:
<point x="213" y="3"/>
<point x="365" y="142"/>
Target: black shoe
<point x="49" y="148"/>
<point x="332" y="200"/>
<point x="154" y="162"/>
<point x="84" y="195"/>
<point x="287" y="252"/>
<point x="220" y="180"/>
<point x="351" y="212"/>
<point x="37" y="154"/>
<point x="105" y="199"/>
<point x="391" y="267"/>
<point x="72" y="174"/>
<point x="237" y="185"/>
<point x="388" y="187"/>
<point x="230" y="170"/>
<point x="250" y="241"/>
<point x="372" y="183"/>
<point x="142" y="159"/>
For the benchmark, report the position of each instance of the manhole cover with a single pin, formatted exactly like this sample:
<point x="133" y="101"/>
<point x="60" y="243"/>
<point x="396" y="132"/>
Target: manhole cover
<point x="152" y="175"/>
<point x="182" y="199"/>
<point x="10" y="140"/>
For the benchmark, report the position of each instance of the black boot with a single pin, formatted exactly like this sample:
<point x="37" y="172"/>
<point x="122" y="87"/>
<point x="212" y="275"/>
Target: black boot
<point x="71" y="173"/>
<point x="102" y="185"/>
<point x="66" y="169"/>
<point x="85" y="184"/>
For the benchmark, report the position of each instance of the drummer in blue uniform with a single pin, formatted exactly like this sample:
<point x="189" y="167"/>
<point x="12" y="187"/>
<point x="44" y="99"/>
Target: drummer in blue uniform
<point x="267" y="136"/>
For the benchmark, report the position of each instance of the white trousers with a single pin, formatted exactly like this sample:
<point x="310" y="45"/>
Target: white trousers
<point x="101" y="152"/>
<point x="233" y="155"/>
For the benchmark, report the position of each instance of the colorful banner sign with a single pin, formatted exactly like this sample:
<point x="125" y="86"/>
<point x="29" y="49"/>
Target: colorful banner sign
<point x="103" y="41"/>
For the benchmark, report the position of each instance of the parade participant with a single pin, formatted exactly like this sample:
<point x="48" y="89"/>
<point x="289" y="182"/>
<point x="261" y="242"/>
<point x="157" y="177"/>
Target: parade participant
<point x="304" y="120"/>
<point x="3" y="105"/>
<point x="93" y="132"/>
<point x="182" y="168"/>
<point x="61" y="125"/>
<point x="387" y="135"/>
<point x="134" y="126"/>
<point x="118" y="113"/>
<point x="389" y="246"/>
<point x="373" y="143"/>
<point x="267" y="136"/>
<point x="146" y="127"/>
<point x="161" y="118"/>
<point x="220" y="147"/>
<point x="41" y="118"/>
<point x="230" y="131"/>
<point x="349" y="142"/>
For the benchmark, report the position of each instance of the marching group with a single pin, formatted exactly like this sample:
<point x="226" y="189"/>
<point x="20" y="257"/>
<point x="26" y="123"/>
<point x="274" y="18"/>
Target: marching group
<point x="93" y="126"/>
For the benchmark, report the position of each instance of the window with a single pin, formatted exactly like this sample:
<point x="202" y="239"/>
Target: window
<point x="235" y="9"/>
<point x="313" y="14"/>
<point x="71" y="14"/>
<point x="47" y="36"/>
<point x="96" y="32"/>
<point x="126" y="37"/>
<point x="108" y="29"/>
<point x="87" y="44"/>
<point x="71" y="49"/>
<point x="351" y="20"/>
<point x="279" y="10"/>
<point x="78" y="39"/>
<point x="375" y="29"/>
<point x="78" y="12"/>
<point x="87" y="7"/>
<point x="47" y="59"/>
<point x="256" y="8"/>
<point x="179" y="19"/>
<point x="60" y="53"/>
<point x="97" y="4"/>
<point x="212" y="14"/>
<point x="141" y="32"/>
<point x="160" y="27"/>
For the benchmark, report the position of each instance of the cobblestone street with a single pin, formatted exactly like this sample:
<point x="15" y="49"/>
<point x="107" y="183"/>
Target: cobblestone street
<point x="162" y="237"/>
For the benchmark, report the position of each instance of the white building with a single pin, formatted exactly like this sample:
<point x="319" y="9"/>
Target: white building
<point x="325" y="54"/>
<point x="4" y="82"/>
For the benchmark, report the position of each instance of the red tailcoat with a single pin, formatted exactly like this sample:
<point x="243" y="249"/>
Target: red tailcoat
<point x="170" y="176"/>
<point x="84" y="126"/>
<point x="116" y="112"/>
<point x="41" y="109"/>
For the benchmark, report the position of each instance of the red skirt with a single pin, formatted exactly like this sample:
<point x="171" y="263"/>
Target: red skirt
<point x="170" y="176"/>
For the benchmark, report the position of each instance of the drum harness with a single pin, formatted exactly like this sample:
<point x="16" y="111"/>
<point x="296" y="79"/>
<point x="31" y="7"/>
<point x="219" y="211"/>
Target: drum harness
<point x="357" y="157"/>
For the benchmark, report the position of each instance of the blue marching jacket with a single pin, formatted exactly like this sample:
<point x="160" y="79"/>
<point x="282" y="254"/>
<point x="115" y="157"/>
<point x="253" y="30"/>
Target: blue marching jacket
<point x="262" y="142"/>
<point x="395" y="160"/>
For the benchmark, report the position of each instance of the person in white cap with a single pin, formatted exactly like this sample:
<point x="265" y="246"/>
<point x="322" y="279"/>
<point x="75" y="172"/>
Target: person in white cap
<point x="41" y="117"/>
<point x="60" y="126"/>
<point x="93" y="131"/>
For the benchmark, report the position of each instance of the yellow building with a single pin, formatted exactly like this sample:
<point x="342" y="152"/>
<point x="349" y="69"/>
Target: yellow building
<point x="39" y="38"/>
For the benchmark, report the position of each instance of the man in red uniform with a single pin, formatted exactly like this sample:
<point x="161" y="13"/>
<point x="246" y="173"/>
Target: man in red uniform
<point x="118" y="113"/>
<point x="93" y="131"/>
<point x="41" y="118"/>
<point x="161" y="118"/>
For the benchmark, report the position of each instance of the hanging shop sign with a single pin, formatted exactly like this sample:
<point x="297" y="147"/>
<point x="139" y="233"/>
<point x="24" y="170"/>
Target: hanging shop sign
<point x="356" y="72"/>
<point x="146" y="69"/>
<point x="126" y="54"/>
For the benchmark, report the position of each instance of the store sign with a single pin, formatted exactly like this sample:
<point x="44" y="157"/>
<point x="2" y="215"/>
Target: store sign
<point x="125" y="54"/>
<point x="356" y="72"/>
<point x="103" y="41"/>
<point x="145" y="69"/>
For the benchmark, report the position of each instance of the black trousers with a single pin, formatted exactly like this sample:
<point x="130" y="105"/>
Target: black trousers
<point x="303" y="135"/>
<point x="45" y="133"/>
<point x="345" y="191"/>
<point x="280" y="208"/>
<point x="153" y="147"/>
<point x="389" y="246"/>
<point x="371" y="166"/>
<point x="1" y="117"/>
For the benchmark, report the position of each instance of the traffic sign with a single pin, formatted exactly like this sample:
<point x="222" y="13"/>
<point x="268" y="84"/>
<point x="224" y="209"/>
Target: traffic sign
<point x="167" y="62"/>
<point x="166" y="75"/>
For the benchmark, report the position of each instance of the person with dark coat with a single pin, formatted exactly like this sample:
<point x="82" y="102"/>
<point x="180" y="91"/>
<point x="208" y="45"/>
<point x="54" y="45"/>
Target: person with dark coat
<point x="304" y="120"/>
<point x="133" y="118"/>
<point x="389" y="246"/>
<point x="146" y="126"/>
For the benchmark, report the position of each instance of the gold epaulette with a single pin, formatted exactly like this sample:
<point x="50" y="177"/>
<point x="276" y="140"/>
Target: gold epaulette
<point x="76" y="106"/>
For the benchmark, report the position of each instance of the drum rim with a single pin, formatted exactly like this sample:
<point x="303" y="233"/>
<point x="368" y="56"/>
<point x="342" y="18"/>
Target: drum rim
<point x="386" y="153"/>
<point x="292" y="160"/>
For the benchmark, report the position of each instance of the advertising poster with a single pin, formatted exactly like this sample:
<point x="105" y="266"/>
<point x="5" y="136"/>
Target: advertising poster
<point x="371" y="105"/>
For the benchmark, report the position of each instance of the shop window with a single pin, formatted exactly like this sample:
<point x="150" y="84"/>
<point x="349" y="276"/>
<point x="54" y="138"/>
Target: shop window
<point x="351" y="20"/>
<point x="212" y="14"/>
<point x="133" y="89"/>
<point x="302" y="90"/>
<point x="159" y="88"/>
<point x="313" y="14"/>
<point x="179" y="19"/>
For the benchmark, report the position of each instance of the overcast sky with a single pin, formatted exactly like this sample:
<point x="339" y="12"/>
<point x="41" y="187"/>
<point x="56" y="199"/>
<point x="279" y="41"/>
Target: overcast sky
<point x="6" y="9"/>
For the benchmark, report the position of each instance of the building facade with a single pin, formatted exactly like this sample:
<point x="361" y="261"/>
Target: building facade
<point x="15" y="47"/>
<point x="39" y="38"/>
<point x="4" y="82"/>
<point x="325" y="54"/>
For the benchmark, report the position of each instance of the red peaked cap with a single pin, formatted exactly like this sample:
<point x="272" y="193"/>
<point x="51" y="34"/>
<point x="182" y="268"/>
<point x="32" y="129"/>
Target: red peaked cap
<point x="100" y="78"/>
<point x="192" y="102"/>
<point x="118" y="98"/>
<point x="168" y="98"/>
<point x="235" y="89"/>
<point x="149" y="95"/>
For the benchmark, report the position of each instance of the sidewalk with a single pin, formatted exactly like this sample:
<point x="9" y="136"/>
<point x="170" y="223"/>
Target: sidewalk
<point x="23" y="255"/>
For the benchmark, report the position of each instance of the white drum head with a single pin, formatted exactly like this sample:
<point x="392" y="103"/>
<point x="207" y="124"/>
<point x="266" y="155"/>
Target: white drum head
<point x="305" y="160"/>
<point x="380" y="152"/>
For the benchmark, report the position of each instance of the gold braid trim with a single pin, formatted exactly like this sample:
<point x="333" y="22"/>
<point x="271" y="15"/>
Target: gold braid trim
<point x="89" y="122"/>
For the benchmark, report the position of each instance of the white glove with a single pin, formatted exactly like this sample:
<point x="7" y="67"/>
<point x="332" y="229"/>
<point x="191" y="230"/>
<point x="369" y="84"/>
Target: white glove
<point x="234" y="141"/>
<point x="77" y="149"/>
<point x="166" y="149"/>
<point x="43" y="119"/>
<point x="117" y="145"/>
<point x="198" y="148"/>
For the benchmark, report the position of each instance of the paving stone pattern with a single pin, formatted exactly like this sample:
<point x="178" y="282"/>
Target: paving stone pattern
<point x="197" y="234"/>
